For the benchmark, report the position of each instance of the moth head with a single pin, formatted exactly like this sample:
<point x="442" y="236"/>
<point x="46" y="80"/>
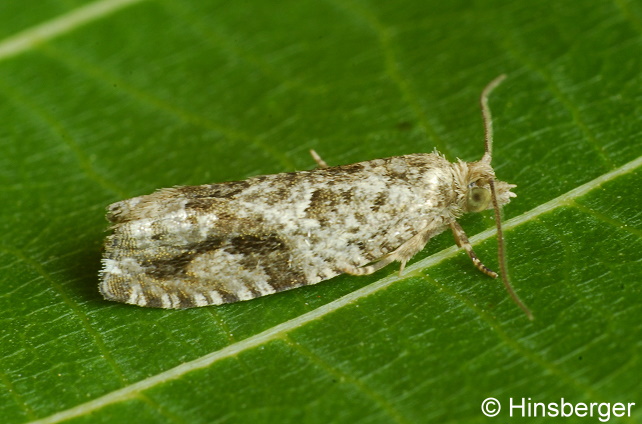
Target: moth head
<point x="478" y="195"/>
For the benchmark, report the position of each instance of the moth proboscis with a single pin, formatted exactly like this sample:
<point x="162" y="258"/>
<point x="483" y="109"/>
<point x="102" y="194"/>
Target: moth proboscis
<point x="185" y="247"/>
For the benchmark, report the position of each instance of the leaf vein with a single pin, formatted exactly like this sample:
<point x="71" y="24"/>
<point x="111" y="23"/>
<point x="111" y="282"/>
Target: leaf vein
<point x="84" y="319"/>
<point x="392" y="67"/>
<point x="608" y="219"/>
<point x="101" y="75"/>
<point x="386" y="406"/>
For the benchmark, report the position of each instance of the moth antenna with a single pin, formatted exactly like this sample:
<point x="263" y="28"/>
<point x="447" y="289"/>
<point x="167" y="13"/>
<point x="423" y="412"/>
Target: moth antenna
<point x="488" y="155"/>
<point x="501" y="257"/>
<point x="488" y="119"/>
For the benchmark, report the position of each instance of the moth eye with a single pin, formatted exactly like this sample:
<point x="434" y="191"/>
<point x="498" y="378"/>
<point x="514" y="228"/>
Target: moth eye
<point x="478" y="199"/>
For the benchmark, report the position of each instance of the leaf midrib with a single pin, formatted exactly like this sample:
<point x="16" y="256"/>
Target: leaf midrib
<point x="61" y="25"/>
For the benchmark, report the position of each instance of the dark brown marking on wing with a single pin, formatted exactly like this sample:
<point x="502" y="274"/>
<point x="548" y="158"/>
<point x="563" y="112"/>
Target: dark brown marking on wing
<point x="175" y="266"/>
<point x="381" y="199"/>
<point x="273" y="255"/>
<point x="268" y="251"/>
<point x="227" y="296"/>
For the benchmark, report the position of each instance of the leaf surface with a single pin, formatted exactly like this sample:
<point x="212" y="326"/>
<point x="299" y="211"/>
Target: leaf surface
<point x="108" y="100"/>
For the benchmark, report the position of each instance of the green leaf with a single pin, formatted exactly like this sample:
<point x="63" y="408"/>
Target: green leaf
<point x="104" y="101"/>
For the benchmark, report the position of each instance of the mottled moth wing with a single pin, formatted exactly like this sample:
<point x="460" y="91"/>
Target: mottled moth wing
<point x="194" y="246"/>
<point x="206" y="245"/>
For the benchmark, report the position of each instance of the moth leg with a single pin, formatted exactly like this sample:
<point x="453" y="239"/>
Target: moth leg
<point x="402" y="254"/>
<point x="462" y="241"/>
<point x="318" y="159"/>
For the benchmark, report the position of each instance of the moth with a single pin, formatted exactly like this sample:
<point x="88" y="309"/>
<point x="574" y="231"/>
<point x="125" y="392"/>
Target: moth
<point x="212" y="244"/>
